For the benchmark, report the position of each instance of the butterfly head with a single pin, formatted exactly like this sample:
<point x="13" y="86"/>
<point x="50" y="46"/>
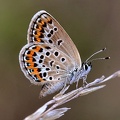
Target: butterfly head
<point x="86" y="68"/>
<point x="87" y="65"/>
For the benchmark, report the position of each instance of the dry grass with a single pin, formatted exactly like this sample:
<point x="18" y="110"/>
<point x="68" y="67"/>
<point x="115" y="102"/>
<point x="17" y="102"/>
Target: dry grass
<point x="51" y="113"/>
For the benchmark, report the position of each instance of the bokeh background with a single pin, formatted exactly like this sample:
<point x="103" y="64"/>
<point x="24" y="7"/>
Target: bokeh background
<point x="92" y="25"/>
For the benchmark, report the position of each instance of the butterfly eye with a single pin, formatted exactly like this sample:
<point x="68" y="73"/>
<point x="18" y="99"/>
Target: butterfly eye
<point x="86" y="67"/>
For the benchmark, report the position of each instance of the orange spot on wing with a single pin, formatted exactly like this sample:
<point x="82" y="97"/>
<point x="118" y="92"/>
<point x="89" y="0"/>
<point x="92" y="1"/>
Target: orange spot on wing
<point x="41" y="23"/>
<point x="37" y="49"/>
<point x="38" y="36"/>
<point x="35" y="71"/>
<point x="38" y="33"/>
<point x="38" y="39"/>
<point x="39" y="28"/>
<point x="30" y="54"/>
<point x="31" y="65"/>
<point x="48" y="19"/>
<point x="40" y="79"/>
<point x="30" y="60"/>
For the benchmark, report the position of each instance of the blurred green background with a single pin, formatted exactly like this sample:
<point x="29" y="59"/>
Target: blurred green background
<point x="92" y="25"/>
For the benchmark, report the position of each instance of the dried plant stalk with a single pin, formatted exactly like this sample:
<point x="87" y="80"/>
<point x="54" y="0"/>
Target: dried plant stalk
<point x="51" y="113"/>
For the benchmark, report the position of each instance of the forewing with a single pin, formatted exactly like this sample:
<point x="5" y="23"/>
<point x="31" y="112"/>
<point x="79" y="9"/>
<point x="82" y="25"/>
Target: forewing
<point x="44" y="28"/>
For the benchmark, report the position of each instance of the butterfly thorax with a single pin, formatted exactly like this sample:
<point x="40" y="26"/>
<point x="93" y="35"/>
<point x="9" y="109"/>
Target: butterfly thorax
<point x="80" y="73"/>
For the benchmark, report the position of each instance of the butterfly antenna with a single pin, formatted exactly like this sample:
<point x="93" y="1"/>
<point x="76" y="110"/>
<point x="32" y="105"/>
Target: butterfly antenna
<point x="88" y="60"/>
<point x="99" y="59"/>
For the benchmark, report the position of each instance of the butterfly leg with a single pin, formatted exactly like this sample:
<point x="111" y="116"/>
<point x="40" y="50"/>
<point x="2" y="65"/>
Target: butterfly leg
<point x="84" y="81"/>
<point x="77" y="84"/>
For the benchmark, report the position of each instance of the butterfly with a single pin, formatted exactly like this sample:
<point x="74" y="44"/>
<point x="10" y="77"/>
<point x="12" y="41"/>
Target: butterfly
<point x="50" y="58"/>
